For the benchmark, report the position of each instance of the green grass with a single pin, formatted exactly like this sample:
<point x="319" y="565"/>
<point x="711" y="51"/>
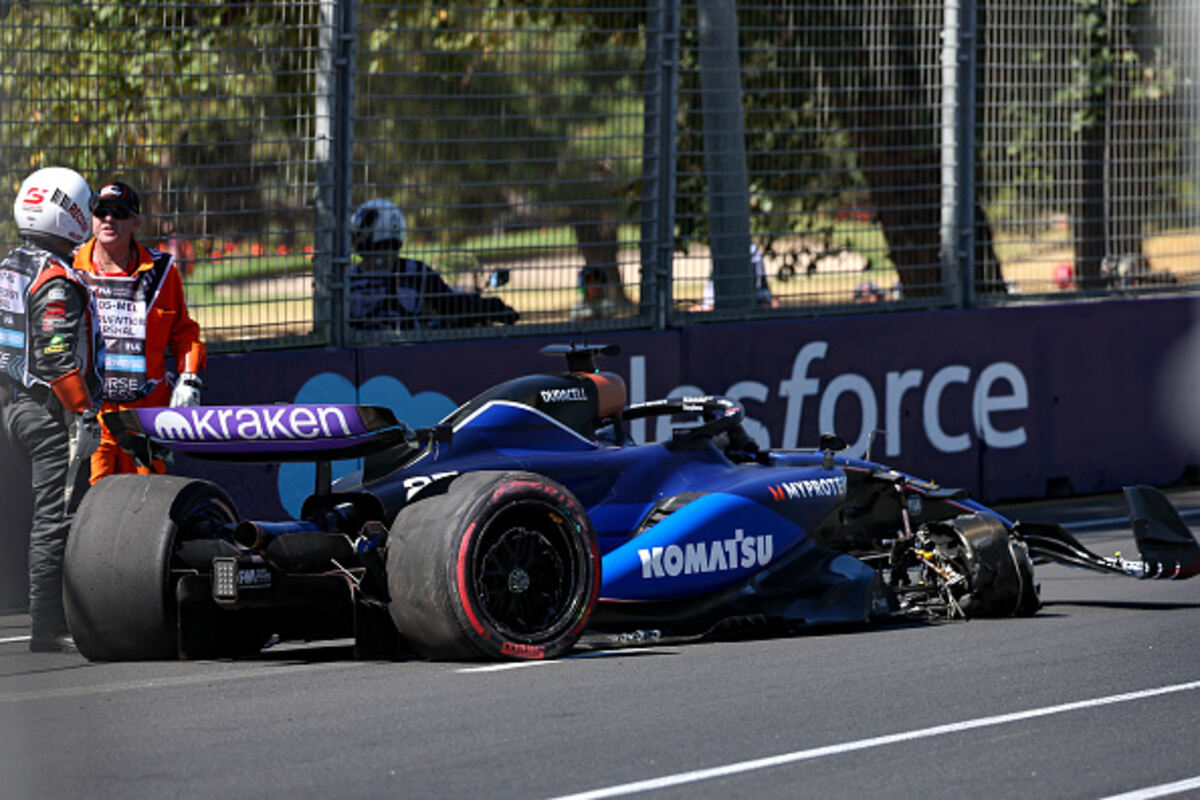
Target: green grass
<point x="216" y="282"/>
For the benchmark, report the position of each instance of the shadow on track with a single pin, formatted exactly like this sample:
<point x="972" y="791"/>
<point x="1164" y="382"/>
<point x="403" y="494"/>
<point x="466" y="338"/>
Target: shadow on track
<point x="1138" y="605"/>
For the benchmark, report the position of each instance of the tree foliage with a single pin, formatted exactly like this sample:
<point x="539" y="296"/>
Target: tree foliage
<point x="201" y="105"/>
<point x="493" y="115"/>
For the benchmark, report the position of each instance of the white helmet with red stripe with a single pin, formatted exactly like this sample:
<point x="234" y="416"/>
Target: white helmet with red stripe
<point x="53" y="202"/>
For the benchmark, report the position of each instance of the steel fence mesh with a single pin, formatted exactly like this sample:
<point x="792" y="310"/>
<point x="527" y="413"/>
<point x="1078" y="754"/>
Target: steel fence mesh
<point x="607" y="166"/>
<point x="206" y="111"/>
<point x="1087" y="133"/>
<point x="842" y="123"/>
<point x="511" y="139"/>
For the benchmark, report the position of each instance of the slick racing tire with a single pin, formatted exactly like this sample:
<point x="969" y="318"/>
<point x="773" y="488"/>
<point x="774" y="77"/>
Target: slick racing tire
<point x="492" y="565"/>
<point x="117" y="587"/>
<point x="998" y="568"/>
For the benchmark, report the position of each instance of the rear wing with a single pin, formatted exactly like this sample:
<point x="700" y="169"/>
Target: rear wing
<point x="271" y="433"/>
<point x="1167" y="546"/>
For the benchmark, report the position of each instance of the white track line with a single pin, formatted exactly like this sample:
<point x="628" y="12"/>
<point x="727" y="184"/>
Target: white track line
<point x="695" y="776"/>
<point x="15" y="639"/>
<point x="506" y="666"/>
<point x="575" y="656"/>
<point x="1159" y="791"/>
<point x="222" y="678"/>
<point x="1162" y="790"/>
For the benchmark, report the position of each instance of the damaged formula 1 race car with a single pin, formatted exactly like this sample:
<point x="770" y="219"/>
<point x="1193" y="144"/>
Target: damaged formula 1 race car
<point x="528" y="517"/>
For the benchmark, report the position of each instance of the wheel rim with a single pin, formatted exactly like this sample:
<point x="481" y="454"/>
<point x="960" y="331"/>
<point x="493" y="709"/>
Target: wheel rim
<point x="528" y="572"/>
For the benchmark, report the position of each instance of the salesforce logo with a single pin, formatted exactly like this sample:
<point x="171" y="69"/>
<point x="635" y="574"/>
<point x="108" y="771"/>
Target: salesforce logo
<point x="903" y="403"/>
<point x="999" y="387"/>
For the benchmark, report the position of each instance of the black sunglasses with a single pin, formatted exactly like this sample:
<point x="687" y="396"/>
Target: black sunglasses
<point x="116" y="212"/>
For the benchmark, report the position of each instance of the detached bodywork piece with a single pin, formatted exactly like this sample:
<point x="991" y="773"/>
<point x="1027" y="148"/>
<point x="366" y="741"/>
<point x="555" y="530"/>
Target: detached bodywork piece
<point x="529" y="516"/>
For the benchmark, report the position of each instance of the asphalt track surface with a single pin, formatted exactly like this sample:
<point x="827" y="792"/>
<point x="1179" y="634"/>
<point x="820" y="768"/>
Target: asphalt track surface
<point x="1095" y="697"/>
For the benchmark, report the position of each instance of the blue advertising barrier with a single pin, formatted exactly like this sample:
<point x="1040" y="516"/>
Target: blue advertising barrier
<point x="1010" y="403"/>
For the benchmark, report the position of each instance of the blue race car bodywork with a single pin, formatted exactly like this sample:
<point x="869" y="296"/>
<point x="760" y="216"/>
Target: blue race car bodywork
<point x="529" y="517"/>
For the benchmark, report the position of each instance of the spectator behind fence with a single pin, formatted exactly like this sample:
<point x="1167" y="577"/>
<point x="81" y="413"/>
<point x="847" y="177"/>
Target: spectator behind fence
<point x="51" y="374"/>
<point x="139" y="294"/>
<point x="388" y="292"/>
<point x="181" y="248"/>
<point x="762" y="291"/>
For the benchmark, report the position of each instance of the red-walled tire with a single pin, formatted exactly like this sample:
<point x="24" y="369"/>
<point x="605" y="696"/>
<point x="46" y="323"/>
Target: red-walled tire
<point x="493" y="566"/>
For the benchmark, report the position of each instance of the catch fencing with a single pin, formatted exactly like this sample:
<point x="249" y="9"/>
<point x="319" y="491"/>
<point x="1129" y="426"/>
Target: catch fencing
<point x="628" y="163"/>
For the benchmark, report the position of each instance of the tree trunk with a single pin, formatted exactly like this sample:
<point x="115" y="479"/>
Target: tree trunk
<point x="597" y="236"/>
<point x="896" y="135"/>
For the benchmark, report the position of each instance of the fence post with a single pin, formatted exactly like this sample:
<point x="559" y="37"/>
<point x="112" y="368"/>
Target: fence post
<point x="658" y="158"/>
<point x="958" y="151"/>
<point x="725" y="155"/>
<point x="333" y="146"/>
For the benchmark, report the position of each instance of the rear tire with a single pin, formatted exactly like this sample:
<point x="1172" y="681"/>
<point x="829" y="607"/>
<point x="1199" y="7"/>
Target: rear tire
<point x="117" y="586"/>
<point x="493" y="565"/>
